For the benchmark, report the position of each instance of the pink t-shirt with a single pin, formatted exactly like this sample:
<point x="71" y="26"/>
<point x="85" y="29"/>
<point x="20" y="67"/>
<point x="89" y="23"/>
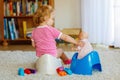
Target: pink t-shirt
<point x="44" y="38"/>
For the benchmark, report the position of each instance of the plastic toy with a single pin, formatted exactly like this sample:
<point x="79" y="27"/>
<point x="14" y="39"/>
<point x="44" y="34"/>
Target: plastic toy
<point x="62" y="73"/>
<point x="47" y="64"/>
<point x="33" y="71"/>
<point x="68" y="71"/>
<point x="87" y="64"/>
<point x="21" y="71"/>
<point x="60" y="69"/>
<point x="27" y="71"/>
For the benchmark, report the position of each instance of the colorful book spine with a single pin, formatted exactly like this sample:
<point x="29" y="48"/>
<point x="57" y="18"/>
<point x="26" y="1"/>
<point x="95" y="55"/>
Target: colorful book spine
<point x="14" y="28"/>
<point x="8" y="11"/>
<point x="18" y="8"/>
<point x="11" y="8"/>
<point x="6" y="30"/>
<point x="24" y="29"/>
<point x="11" y="31"/>
<point x="14" y="8"/>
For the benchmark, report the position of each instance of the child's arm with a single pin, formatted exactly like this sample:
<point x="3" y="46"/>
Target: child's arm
<point x="33" y="43"/>
<point x="68" y="39"/>
<point x="79" y="46"/>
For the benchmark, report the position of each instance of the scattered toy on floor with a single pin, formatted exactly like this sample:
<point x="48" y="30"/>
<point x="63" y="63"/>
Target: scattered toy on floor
<point x="21" y="72"/>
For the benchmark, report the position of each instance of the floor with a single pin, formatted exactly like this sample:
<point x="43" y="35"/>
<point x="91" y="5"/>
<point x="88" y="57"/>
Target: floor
<point x="28" y="47"/>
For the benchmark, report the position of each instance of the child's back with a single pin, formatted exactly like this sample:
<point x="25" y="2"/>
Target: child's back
<point x="44" y="37"/>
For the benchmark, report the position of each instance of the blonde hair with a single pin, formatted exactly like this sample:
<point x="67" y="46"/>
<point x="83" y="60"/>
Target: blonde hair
<point x="42" y="14"/>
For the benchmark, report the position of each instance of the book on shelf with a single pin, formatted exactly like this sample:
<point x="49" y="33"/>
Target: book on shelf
<point x="18" y="8"/>
<point x="14" y="28"/>
<point x="6" y="30"/>
<point x="11" y="8"/>
<point x="14" y="8"/>
<point x="22" y="7"/>
<point x="24" y="28"/>
<point x="10" y="31"/>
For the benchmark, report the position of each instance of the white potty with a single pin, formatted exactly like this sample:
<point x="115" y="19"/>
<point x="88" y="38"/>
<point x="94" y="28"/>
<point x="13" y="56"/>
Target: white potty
<point x="47" y="64"/>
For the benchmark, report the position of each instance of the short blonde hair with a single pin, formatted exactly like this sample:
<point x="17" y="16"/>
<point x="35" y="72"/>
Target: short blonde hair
<point x="42" y="14"/>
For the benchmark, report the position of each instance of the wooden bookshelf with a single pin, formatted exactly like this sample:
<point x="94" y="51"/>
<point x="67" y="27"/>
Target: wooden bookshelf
<point x="15" y="16"/>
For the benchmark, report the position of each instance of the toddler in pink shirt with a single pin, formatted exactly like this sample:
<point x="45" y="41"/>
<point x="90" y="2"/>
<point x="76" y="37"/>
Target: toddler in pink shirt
<point x="44" y="35"/>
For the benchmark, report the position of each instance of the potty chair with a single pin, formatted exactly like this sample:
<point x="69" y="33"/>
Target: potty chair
<point x="87" y="64"/>
<point x="47" y="64"/>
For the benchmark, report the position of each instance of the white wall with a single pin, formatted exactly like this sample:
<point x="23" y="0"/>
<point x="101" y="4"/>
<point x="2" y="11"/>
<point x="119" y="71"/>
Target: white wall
<point x="67" y="14"/>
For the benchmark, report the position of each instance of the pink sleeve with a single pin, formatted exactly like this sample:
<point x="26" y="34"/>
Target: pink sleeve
<point x="56" y="33"/>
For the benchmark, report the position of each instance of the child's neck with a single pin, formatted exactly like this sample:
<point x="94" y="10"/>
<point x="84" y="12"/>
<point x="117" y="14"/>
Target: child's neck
<point x="42" y="24"/>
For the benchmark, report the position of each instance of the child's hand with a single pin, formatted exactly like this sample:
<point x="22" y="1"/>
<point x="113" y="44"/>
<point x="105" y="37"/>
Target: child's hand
<point x="81" y="43"/>
<point x="73" y="48"/>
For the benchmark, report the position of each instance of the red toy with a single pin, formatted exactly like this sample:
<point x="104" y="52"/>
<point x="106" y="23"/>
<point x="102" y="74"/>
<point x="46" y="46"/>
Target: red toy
<point x="27" y="71"/>
<point x="60" y="71"/>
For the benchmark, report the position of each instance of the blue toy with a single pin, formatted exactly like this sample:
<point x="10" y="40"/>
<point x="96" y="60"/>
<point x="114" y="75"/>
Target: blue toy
<point x="68" y="71"/>
<point x="21" y="72"/>
<point x="87" y="64"/>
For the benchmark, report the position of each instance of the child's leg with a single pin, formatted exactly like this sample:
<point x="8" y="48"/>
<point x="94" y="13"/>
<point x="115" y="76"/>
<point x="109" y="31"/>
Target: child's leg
<point x="62" y="55"/>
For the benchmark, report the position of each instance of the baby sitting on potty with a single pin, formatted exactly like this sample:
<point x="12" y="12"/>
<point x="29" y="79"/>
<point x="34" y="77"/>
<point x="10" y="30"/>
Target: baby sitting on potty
<point x="43" y="40"/>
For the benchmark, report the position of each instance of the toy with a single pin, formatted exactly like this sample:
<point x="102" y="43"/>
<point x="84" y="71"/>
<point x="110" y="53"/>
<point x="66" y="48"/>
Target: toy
<point x="87" y="64"/>
<point x="60" y="71"/>
<point x="27" y="71"/>
<point x="68" y="71"/>
<point x="33" y="71"/>
<point x="21" y="71"/>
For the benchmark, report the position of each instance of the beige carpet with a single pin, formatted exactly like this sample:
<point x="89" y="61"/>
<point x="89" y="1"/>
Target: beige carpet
<point x="10" y="61"/>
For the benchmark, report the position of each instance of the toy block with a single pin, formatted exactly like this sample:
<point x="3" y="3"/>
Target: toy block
<point x="21" y="72"/>
<point x="68" y="71"/>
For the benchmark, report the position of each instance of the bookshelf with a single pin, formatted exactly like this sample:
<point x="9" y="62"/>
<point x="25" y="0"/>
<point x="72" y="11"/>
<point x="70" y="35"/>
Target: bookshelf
<point x="16" y="18"/>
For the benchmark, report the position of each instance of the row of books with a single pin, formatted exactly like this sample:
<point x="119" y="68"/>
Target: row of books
<point x="10" y="29"/>
<point x="22" y="7"/>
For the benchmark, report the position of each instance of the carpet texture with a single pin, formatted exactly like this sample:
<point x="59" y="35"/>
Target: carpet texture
<point x="11" y="61"/>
